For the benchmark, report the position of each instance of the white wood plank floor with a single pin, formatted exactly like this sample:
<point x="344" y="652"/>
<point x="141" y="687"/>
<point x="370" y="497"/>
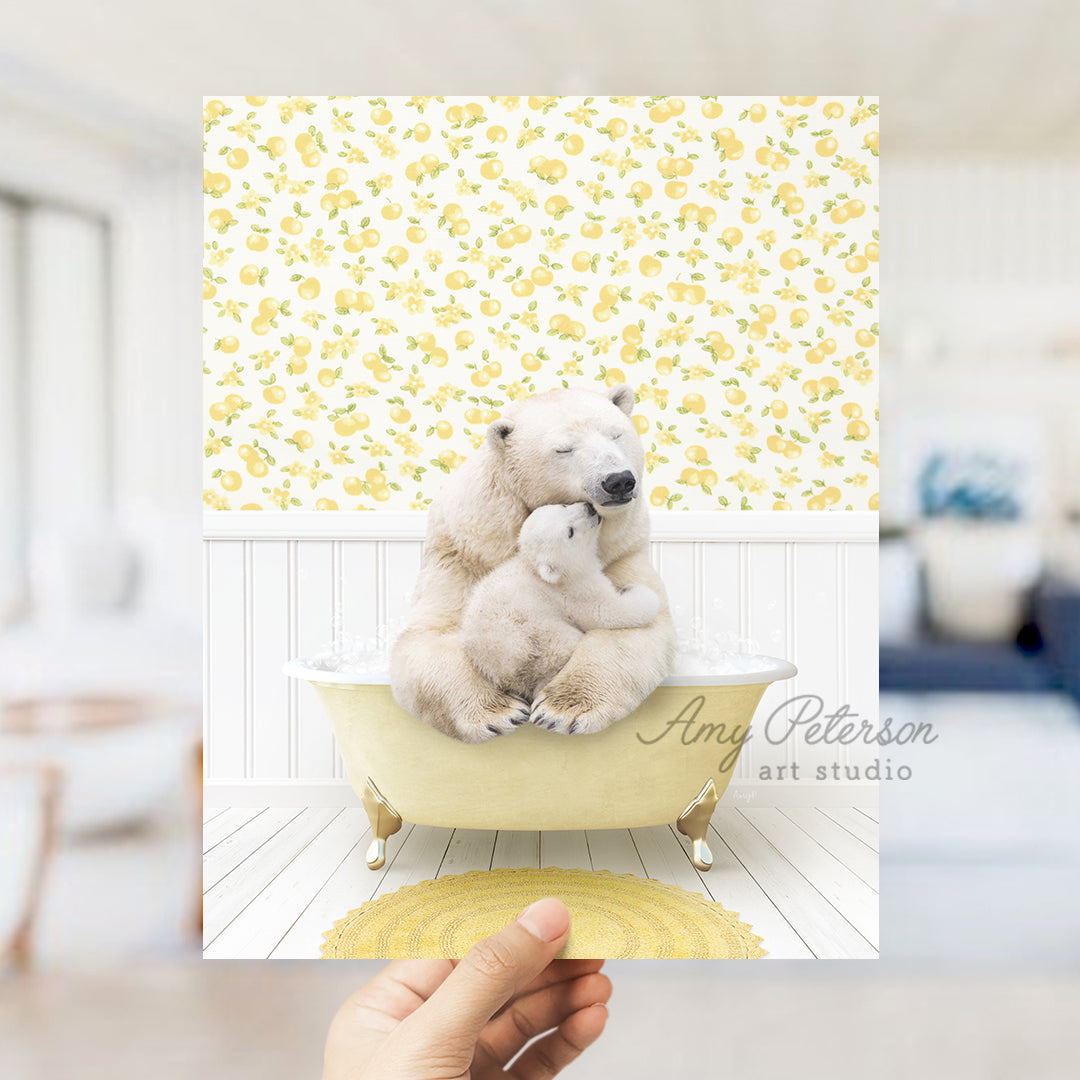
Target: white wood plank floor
<point x="275" y="879"/>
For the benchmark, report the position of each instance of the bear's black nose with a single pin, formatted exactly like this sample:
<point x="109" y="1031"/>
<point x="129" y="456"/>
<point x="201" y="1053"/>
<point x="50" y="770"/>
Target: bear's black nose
<point x="619" y="485"/>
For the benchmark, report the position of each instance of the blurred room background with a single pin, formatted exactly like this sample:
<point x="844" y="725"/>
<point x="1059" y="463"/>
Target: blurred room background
<point x="100" y="259"/>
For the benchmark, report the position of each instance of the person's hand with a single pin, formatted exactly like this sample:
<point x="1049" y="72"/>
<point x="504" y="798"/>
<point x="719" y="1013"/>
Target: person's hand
<point x="446" y="1019"/>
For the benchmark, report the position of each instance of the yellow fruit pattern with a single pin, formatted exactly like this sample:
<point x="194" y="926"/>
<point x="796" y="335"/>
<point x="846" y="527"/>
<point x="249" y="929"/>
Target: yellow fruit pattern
<point x="384" y="276"/>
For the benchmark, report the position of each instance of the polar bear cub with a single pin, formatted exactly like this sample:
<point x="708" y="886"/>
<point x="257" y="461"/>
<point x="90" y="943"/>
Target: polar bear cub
<point x="524" y="619"/>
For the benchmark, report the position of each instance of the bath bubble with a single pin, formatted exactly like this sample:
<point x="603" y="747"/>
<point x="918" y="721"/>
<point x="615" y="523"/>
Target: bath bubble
<point x="697" y="653"/>
<point x="720" y="653"/>
<point x="356" y="654"/>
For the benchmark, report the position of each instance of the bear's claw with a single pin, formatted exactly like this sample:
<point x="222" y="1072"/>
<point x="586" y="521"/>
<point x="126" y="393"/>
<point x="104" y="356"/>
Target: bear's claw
<point x="585" y="723"/>
<point x="514" y="712"/>
<point x="541" y="719"/>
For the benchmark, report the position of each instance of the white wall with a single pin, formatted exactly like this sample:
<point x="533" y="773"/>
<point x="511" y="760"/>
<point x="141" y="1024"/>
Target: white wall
<point x="11" y="479"/>
<point x="798" y="585"/>
<point x="982" y="285"/>
<point x="158" y="382"/>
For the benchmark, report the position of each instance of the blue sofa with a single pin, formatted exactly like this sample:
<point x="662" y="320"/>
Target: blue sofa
<point x="1045" y="656"/>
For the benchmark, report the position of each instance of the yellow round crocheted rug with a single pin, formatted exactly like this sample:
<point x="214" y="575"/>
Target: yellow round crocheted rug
<point x="614" y="916"/>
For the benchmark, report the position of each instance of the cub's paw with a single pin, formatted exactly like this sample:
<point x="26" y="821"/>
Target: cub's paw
<point x="642" y="602"/>
<point x="498" y="715"/>
<point x="581" y="720"/>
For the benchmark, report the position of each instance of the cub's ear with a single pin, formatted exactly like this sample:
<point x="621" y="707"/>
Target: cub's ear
<point x="549" y="573"/>
<point x="499" y="432"/>
<point x="623" y="396"/>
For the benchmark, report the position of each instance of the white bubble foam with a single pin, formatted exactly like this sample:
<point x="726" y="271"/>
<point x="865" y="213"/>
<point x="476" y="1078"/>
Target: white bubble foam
<point x="358" y="655"/>
<point x="697" y="653"/>
<point x="721" y="653"/>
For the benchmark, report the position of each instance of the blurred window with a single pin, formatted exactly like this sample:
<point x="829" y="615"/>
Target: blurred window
<point x="56" y="411"/>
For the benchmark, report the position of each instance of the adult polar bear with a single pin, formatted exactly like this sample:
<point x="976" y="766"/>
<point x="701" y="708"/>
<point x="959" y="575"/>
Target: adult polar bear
<point x="563" y="446"/>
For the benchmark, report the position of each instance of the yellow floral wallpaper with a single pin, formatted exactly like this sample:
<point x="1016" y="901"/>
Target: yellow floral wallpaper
<point x="383" y="276"/>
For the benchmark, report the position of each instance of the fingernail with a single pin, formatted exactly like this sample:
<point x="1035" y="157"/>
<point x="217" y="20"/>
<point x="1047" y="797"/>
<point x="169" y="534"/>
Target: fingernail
<point x="546" y="919"/>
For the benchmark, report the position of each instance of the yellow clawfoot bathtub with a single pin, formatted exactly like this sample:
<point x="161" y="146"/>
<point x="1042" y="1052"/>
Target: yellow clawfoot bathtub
<point x="668" y="761"/>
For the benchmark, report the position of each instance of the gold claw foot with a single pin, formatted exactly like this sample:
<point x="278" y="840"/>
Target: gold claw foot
<point x="385" y="821"/>
<point x="694" y="823"/>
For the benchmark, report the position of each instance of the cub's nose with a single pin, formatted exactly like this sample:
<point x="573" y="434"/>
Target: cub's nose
<point x="619" y="485"/>
<point x="590" y="510"/>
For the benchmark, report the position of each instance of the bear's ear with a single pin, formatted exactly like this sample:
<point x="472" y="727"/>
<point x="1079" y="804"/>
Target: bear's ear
<point x="499" y="432"/>
<point x="623" y="396"/>
<point x="549" y="573"/>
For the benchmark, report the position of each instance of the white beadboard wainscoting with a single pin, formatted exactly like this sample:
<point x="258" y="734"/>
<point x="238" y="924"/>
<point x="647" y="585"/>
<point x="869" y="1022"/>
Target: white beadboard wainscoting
<point x="799" y="585"/>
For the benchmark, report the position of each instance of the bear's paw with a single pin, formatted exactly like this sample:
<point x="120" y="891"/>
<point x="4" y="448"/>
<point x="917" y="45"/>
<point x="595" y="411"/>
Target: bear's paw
<point x="500" y="715"/>
<point x="579" y="717"/>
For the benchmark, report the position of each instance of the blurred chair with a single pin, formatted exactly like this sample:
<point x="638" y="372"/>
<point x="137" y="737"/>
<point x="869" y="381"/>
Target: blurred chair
<point x="94" y="685"/>
<point x="122" y="756"/>
<point x="29" y="804"/>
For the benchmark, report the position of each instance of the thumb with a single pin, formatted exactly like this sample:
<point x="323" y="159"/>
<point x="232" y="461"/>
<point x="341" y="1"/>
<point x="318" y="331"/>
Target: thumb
<point x="491" y="973"/>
